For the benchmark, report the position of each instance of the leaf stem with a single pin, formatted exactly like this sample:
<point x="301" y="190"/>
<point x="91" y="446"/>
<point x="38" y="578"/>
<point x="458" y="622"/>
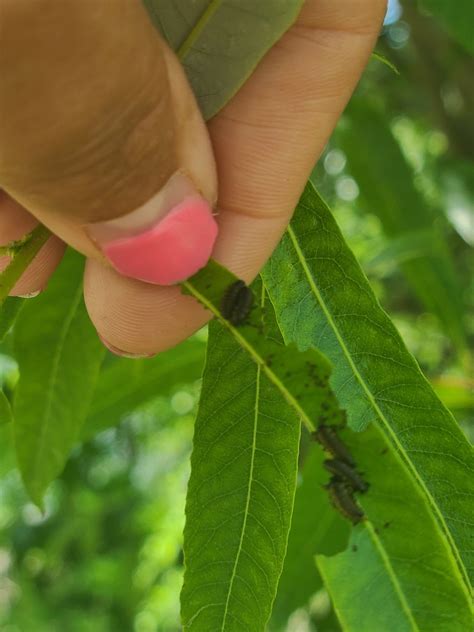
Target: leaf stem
<point x="22" y="253"/>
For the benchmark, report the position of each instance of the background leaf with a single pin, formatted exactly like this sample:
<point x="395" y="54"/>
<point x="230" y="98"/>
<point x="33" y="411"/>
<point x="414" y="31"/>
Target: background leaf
<point x="59" y="355"/>
<point x="5" y="410"/>
<point x="374" y="378"/>
<point x="404" y="212"/>
<point x="220" y="42"/>
<point x="315" y="528"/>
<point x="9" y="311"/>
<point x="125" y="384"/>
<point x="458" y="17"/>
<point x="240" y="494"/>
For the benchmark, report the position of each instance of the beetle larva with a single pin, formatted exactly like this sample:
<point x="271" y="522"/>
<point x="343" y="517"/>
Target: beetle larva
<point x="327" y="437"/>
<point x="347" y="473"/>
<point x="343" y="501"/>
<point x="237" y="303"/>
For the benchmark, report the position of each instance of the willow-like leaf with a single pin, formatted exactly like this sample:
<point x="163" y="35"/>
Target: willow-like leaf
<point x="240" y="494"/>
<point x="322" y="299"/>
<point x="59" y="355"/>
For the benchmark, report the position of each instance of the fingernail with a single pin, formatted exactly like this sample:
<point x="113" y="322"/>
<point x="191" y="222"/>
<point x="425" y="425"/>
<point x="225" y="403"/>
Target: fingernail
<point x="30" y="295"/>
<point x="164" y="241"/>
<point x="123" y="354"/>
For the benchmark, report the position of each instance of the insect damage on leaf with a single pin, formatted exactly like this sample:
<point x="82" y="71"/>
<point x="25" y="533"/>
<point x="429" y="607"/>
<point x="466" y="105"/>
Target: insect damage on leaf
<point x="302" y="377"/>
<point x="345" y="480"/>
<point x="237" y="303"/>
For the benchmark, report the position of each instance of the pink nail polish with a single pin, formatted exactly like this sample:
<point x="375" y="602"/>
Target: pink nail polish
<point x="166" y="240"/>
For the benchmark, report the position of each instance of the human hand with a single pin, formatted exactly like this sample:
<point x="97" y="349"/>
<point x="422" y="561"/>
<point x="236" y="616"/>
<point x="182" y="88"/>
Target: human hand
<point x="97" y="120"/>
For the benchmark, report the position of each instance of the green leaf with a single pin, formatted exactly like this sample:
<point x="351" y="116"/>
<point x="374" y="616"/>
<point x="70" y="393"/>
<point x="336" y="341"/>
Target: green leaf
<point x="458" y="17"/>
<point x="391" y="194"/>
<point x="8" y="313"/>
<point x="301" y="378"/>
<point x="7" y="452"/>
<point x="398" y="558"/>
<point x="5" y="410"/>
<point x="21" y="255"/>
<point x="315" y="528"/>
<point x="415" y="244"/>
<point x="59" y="356"/>
<point x="126" y="384"/>
<point x="322" y="298"/>
<point x="220" y="42"/>
<point x="385" y="61"/>
<point x="456" y="393"/>
<point x="240" y="494"/>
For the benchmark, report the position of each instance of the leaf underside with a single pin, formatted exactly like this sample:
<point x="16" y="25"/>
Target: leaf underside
<point x="220" y="42"/>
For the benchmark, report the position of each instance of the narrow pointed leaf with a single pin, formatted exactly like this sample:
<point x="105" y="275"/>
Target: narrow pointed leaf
<point x="374" y="376"/>
<point x="385" y="61"/>
<point x="59" y="356"/>
<point x="240" y="494"/>
<point x="220" y="42"/>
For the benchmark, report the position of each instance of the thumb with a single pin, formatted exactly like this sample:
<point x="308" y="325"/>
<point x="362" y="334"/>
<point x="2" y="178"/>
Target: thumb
<point x="101" y="138"/>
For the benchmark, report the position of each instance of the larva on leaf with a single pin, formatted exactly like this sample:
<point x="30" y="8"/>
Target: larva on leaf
<point x="237" y="303"/>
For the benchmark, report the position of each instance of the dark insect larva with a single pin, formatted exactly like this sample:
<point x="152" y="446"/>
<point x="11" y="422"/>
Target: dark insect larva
<point x="346" y="473"/>
<point x="237" y="303"/>
<point x="327" y="437"/>
<point x="343" y="501"/>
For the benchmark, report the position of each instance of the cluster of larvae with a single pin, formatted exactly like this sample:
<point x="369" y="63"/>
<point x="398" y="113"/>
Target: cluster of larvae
<point x="345" y="480"/>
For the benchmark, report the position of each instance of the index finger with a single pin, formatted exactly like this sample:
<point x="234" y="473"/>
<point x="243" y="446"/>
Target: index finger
<point x="266" y="141"/>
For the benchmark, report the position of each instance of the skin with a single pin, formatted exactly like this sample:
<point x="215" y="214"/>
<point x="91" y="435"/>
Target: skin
<point x="265" y="142"/>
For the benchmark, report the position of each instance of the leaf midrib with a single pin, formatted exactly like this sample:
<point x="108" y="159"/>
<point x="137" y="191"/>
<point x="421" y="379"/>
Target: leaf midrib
<point x="253" y="353"/>
<point x="249" y="493"/>
<point x="385" y="423"/>
<point x="198" y="28"/>
<point x="393" y="577"/>
<point x="53" y="378"/>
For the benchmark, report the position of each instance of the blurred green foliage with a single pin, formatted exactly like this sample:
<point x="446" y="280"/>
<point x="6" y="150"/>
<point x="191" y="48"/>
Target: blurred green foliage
<point x="106" y="554"/>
